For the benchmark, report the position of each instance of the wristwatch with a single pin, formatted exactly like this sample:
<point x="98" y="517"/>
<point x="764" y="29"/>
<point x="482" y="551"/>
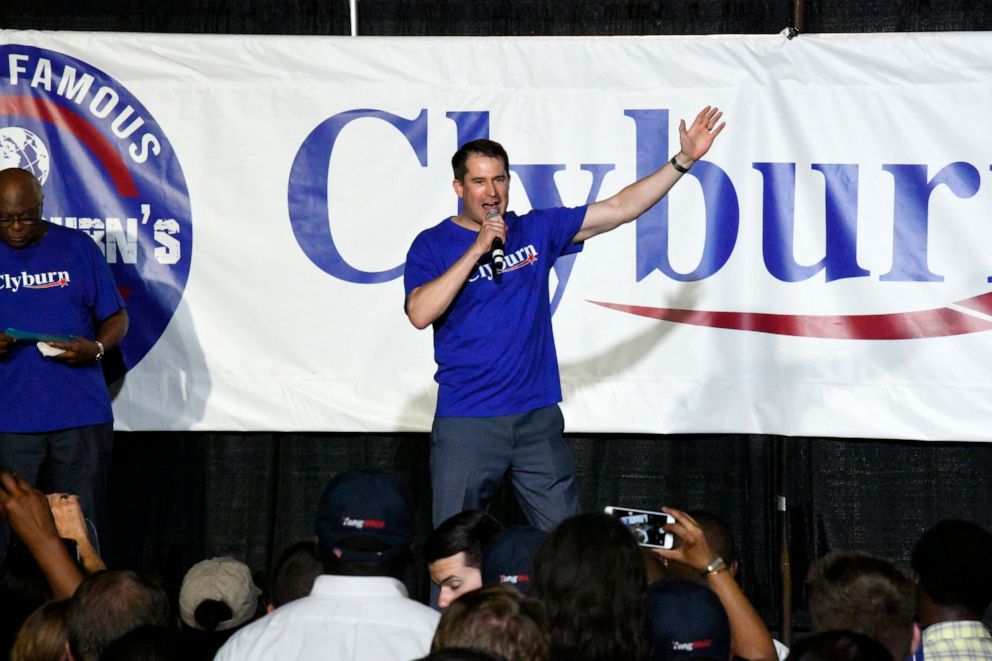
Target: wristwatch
<point x="99" y="354"/>
<point x="718" y="565"/>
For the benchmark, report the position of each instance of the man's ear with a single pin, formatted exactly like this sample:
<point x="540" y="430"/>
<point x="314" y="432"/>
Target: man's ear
<point x="459" y="188"/>
<point x="917" y="639"/>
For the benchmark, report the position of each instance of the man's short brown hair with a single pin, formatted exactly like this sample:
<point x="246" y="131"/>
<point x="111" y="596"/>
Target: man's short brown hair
<point x="108" y="605"/>
<point x="481" y="147"/>
<point x="865" y="594"/>
<point x="496" y="619"/>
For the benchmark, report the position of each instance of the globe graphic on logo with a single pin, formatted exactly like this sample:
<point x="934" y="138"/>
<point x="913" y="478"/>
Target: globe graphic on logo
<point x="20" y="148"/>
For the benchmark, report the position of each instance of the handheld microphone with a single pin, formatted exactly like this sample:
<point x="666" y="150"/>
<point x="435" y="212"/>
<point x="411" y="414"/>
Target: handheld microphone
<point x="496" y="254"/>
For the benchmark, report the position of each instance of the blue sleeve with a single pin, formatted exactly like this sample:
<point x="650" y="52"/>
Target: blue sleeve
<point x="565" y="224"/>
<point x="421" y="265"/>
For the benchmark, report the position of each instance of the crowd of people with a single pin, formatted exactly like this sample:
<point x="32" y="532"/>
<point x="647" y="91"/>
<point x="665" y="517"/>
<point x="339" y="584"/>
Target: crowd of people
<point x="583" y="591"/>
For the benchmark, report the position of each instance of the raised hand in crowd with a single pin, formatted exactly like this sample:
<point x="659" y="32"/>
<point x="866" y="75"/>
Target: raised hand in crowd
<point x="750" y="638"/>
<point x="27" y="511"/>
<point x="71" y="524"/>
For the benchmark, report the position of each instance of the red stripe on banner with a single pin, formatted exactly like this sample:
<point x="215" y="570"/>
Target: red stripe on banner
<point x="982" y="303"/>
<point x="938" y="322"/>
<point x="29" y="106"/>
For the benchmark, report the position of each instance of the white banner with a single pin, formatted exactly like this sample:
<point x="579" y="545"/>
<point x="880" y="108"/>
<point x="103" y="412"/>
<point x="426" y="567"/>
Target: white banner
<point x="825" y="271"/>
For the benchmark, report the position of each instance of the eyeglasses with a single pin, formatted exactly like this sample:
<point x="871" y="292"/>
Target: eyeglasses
<point x="7" y="221"/>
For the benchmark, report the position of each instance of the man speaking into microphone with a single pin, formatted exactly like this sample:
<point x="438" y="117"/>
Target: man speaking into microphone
<point x="497" y="370"/>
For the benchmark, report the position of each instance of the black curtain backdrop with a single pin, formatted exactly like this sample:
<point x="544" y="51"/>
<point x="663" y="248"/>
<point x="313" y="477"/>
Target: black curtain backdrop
<point x="499" y="17"/>
<point x="181" y="497"/>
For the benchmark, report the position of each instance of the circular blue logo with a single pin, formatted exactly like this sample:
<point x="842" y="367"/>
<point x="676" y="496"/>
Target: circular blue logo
<point x="107" y="169"/>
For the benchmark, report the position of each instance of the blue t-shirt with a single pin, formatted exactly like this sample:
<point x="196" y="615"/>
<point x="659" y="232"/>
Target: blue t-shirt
<point x="61" y="285"/>
<point x="494" y="349"/>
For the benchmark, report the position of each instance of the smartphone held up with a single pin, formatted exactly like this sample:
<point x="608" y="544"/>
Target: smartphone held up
<point x="646" y="526"/>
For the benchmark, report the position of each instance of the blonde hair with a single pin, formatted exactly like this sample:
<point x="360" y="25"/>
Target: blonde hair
<point x="43" y="635"/>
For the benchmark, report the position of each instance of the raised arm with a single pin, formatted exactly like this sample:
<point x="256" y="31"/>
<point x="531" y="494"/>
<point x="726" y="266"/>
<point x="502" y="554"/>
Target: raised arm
<point x="750" y="638"/>
<point x="643" y="194"/>
<point x="27" y="511"/>
<point x="71" y="524"/>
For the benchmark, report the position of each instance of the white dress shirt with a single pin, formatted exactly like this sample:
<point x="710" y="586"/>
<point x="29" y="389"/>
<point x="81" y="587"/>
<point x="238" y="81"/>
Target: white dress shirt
<point x="344" y="617"/>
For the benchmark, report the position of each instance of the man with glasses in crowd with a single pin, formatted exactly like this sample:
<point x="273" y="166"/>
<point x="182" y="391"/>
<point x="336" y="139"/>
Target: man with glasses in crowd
<point x="60" y="312"/>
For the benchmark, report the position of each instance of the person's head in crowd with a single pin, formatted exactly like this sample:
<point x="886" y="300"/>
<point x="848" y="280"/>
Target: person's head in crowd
<point x="509" y="557"/>
<point x="687" y="622"/>
<point x="218" y="594"/>
<point x="720" y="538"/>
<point x="461" y="654"/>
<point x="496" y="619"/>
<point x="152" y="644"/>
<point x="590" y="576"/>
<point x="952" y="572"/>
<point x="293" y="573"/>
<point x="454" y="553"/>
<point x="365" y="524"/>
<point x="858" y="592"/>
<point x="838" y="646"/>
<point x="217" y="597"/>
<point x="44" y="636"/>
<point x="23" y="589"/>
<point x="109" y="604"/>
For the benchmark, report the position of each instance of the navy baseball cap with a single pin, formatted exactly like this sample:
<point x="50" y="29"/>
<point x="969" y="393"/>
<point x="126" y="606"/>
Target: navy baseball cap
<point x="509" y="556"/>
<point x="687" y="622"/>
<point x="370" y="505"/>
